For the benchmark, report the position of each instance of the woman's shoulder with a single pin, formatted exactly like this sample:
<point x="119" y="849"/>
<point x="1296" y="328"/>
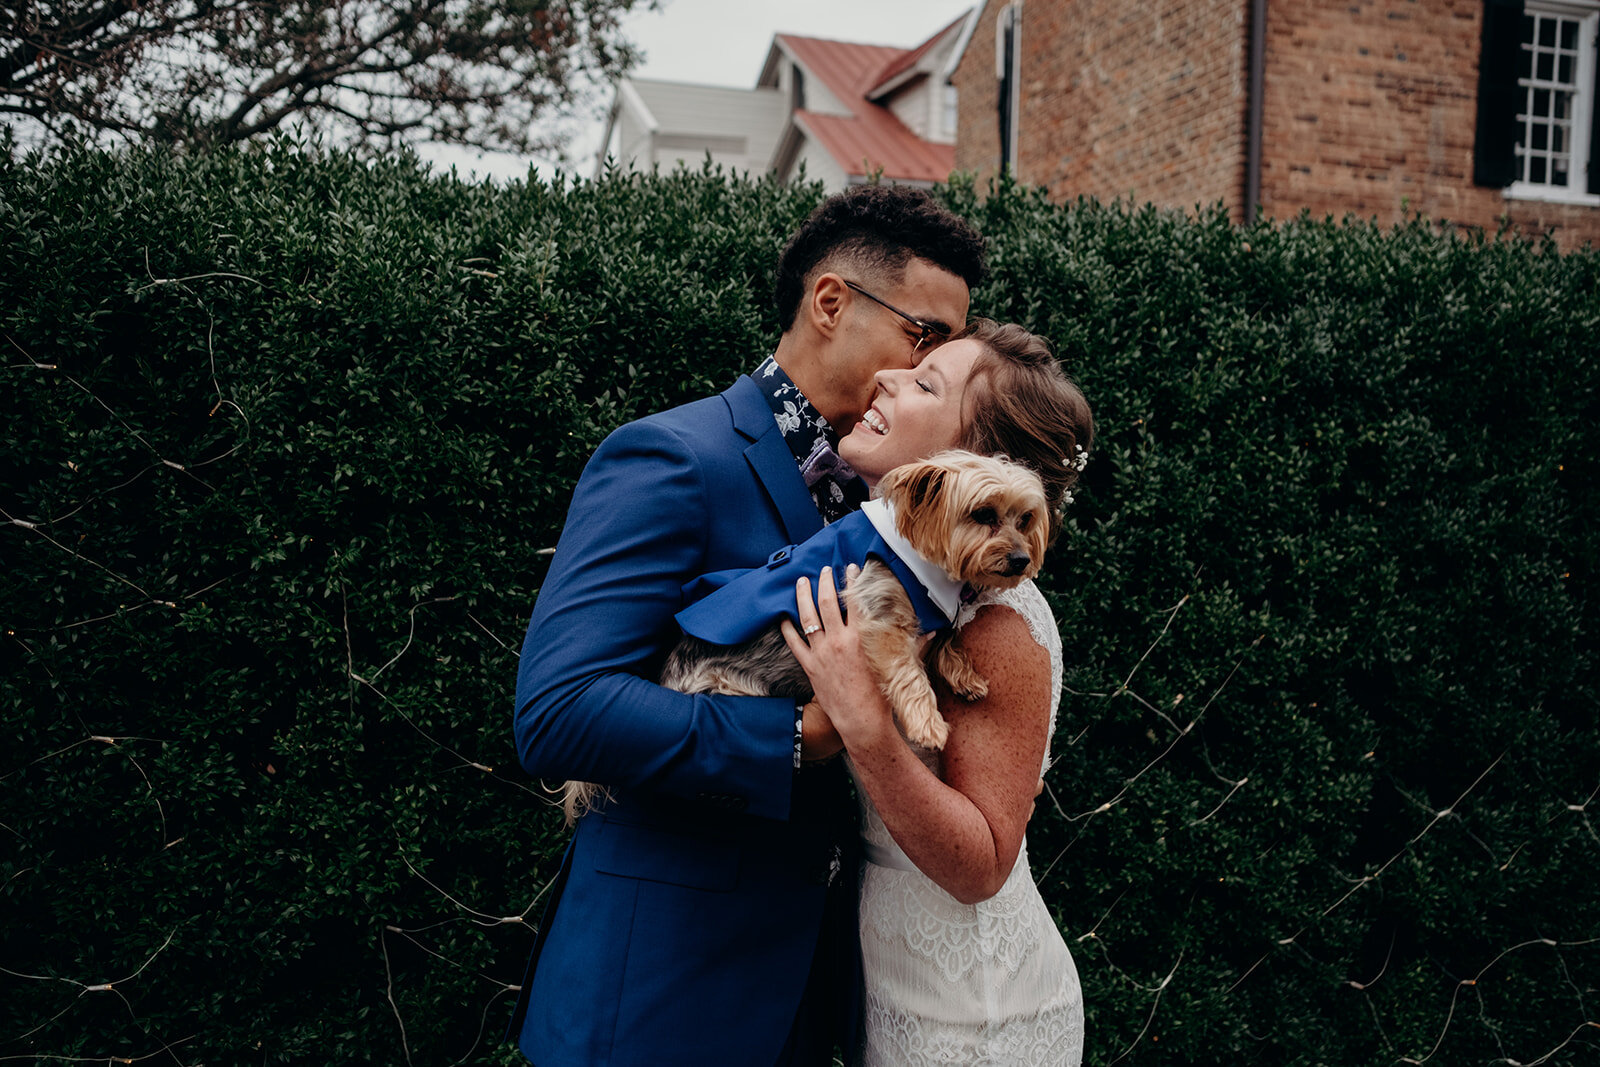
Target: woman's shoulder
<point x="1026" y="601"/>
<point x="1002" y="618"/>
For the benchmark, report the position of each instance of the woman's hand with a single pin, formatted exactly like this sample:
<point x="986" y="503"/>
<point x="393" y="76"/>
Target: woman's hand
<point x="963" y="829"/>
<point x="829" y="650"/>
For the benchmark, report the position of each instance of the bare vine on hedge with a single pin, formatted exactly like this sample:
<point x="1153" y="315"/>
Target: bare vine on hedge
<point x="276" y="489"/>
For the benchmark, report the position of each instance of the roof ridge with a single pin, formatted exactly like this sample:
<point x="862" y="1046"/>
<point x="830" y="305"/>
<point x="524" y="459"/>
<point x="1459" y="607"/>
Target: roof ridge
<point x="837" y="40"/>
<point x="910" y="56"/>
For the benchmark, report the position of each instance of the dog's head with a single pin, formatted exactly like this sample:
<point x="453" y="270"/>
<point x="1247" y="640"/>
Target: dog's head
<point x="983" y="519"/>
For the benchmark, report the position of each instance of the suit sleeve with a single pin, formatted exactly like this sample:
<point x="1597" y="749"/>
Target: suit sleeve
<point x="586" y="707"/>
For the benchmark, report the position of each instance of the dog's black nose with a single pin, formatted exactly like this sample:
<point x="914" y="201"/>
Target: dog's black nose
<point x="1016" y="563"/>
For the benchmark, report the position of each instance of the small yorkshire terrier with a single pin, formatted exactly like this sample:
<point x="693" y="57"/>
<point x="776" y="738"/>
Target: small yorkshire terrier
<point x="980" y="521"/>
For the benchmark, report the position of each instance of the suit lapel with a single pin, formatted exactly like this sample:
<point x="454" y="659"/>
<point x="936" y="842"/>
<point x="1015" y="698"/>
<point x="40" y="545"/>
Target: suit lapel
<point x="771" y="461"/>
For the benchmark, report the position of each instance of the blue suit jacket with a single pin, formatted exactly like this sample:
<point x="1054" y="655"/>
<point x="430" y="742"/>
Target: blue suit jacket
<point x="701" y="888"/>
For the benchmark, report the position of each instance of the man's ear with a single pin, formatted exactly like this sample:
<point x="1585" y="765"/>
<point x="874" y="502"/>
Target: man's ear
<point x="825" y="302"/>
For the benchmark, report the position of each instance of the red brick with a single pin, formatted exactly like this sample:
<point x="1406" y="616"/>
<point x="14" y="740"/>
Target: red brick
<point x="1369" y="109"/>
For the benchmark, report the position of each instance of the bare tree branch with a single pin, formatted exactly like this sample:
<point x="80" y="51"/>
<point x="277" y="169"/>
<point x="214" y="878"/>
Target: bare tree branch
<point x="212" y="72"/>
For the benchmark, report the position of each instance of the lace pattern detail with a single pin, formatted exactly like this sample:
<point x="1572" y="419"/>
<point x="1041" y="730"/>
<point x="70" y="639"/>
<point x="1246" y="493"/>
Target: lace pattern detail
<point x="955" y="939"/>
<point x="1052" y="1036"/>
<point x="950" y="983"/>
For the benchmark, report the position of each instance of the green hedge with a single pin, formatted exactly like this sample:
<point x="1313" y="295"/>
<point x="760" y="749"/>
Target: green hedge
<point x="288" y="433"/>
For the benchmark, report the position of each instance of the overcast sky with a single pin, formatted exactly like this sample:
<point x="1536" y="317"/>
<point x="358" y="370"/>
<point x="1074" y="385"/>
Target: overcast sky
<point x="724" y="42"/>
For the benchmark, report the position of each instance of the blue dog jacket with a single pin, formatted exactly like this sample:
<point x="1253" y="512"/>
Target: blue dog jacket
<point x="731" y="607"/>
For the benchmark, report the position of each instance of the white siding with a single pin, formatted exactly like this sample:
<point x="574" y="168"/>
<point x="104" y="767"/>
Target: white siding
<point x="738" y="127"/>
<point x="820" y="165"/>
<point x="630" y="142"/>
<point x="820" y="100"/>
<point x="917" y="96"/>
<point x="911" y="105"/>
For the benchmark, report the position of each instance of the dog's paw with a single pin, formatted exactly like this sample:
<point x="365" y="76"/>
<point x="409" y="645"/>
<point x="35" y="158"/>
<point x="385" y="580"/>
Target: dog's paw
<point x="958" y="672"/>
<point x="933" y="735"/>
<point x="975" y="687"/>
<point x="924" y="726"/>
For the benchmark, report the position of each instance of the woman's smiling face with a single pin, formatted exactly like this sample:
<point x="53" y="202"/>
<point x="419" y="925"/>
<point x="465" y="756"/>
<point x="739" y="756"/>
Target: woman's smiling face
<point x="915" y="412"/>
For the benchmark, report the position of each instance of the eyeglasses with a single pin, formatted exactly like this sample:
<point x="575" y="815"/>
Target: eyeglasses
<point x="926" y="331"/>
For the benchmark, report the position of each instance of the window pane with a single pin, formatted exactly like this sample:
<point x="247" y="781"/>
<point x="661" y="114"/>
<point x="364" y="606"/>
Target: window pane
<point x="1556" y="48"/>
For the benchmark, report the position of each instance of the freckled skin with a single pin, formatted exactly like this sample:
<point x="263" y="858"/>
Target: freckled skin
<point x="964" y="831"/>
<point x="997" y="744"/>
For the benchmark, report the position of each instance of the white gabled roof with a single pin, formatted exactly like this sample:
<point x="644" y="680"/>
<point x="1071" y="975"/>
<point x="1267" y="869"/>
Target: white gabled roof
<point x="710" y="109"/>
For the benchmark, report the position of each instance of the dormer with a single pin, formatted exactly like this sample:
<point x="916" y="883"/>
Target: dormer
<point x="917" y="86"/>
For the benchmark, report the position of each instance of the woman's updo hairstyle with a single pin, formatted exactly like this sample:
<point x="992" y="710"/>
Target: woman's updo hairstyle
<point x="1020" y="404"/>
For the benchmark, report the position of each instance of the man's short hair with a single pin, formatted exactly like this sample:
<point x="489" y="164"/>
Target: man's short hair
<point x="876" y="230"/>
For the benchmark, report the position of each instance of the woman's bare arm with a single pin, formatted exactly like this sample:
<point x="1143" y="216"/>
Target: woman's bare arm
<point x="966" y="830"/>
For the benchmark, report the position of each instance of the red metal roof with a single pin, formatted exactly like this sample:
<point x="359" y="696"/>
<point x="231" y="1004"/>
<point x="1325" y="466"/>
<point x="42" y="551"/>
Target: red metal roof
<point x="907" y="59"/>
<point x="871" y="138"/>
<point x="848" y="69"/>
<point x="866" y="144"/>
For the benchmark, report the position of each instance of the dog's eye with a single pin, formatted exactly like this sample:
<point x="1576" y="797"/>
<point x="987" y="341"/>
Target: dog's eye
<point x="985" y="517"/>
<point x="1025" y="521"/>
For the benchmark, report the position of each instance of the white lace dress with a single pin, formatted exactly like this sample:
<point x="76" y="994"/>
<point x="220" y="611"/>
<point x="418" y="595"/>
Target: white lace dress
<point x="969" y="984"/>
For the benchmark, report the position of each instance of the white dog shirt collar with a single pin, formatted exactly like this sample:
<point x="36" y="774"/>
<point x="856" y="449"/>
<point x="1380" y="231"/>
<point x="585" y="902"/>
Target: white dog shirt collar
<point x="944" y="591"/>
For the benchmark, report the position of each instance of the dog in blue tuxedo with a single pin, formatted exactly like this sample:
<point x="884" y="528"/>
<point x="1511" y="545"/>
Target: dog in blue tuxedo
<point x="936" y="534"/>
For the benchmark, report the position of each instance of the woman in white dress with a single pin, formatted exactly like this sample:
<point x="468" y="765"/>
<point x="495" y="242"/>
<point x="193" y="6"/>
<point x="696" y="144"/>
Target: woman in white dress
<point x="962" y="962"/>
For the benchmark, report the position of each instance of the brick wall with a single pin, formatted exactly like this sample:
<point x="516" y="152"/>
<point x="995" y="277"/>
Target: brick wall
<point x="1143" y="101"/>
<point x="1371" y="108"/>
<point x="977" y="132"/>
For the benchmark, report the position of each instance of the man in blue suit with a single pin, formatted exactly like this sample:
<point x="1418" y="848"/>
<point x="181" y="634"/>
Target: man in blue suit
<point x="705" y="910"/>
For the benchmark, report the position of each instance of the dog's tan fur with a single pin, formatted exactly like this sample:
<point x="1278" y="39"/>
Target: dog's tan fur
<point x="982" y="519"/>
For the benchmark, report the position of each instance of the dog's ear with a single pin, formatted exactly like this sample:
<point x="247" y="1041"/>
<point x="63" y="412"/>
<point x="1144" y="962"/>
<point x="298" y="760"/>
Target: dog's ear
<point x="912" y="486"/>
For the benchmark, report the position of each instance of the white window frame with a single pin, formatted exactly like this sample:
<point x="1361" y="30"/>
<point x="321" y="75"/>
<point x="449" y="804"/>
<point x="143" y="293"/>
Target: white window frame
<point x="949" y="109"/>
<point x="1584" y="155"/>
